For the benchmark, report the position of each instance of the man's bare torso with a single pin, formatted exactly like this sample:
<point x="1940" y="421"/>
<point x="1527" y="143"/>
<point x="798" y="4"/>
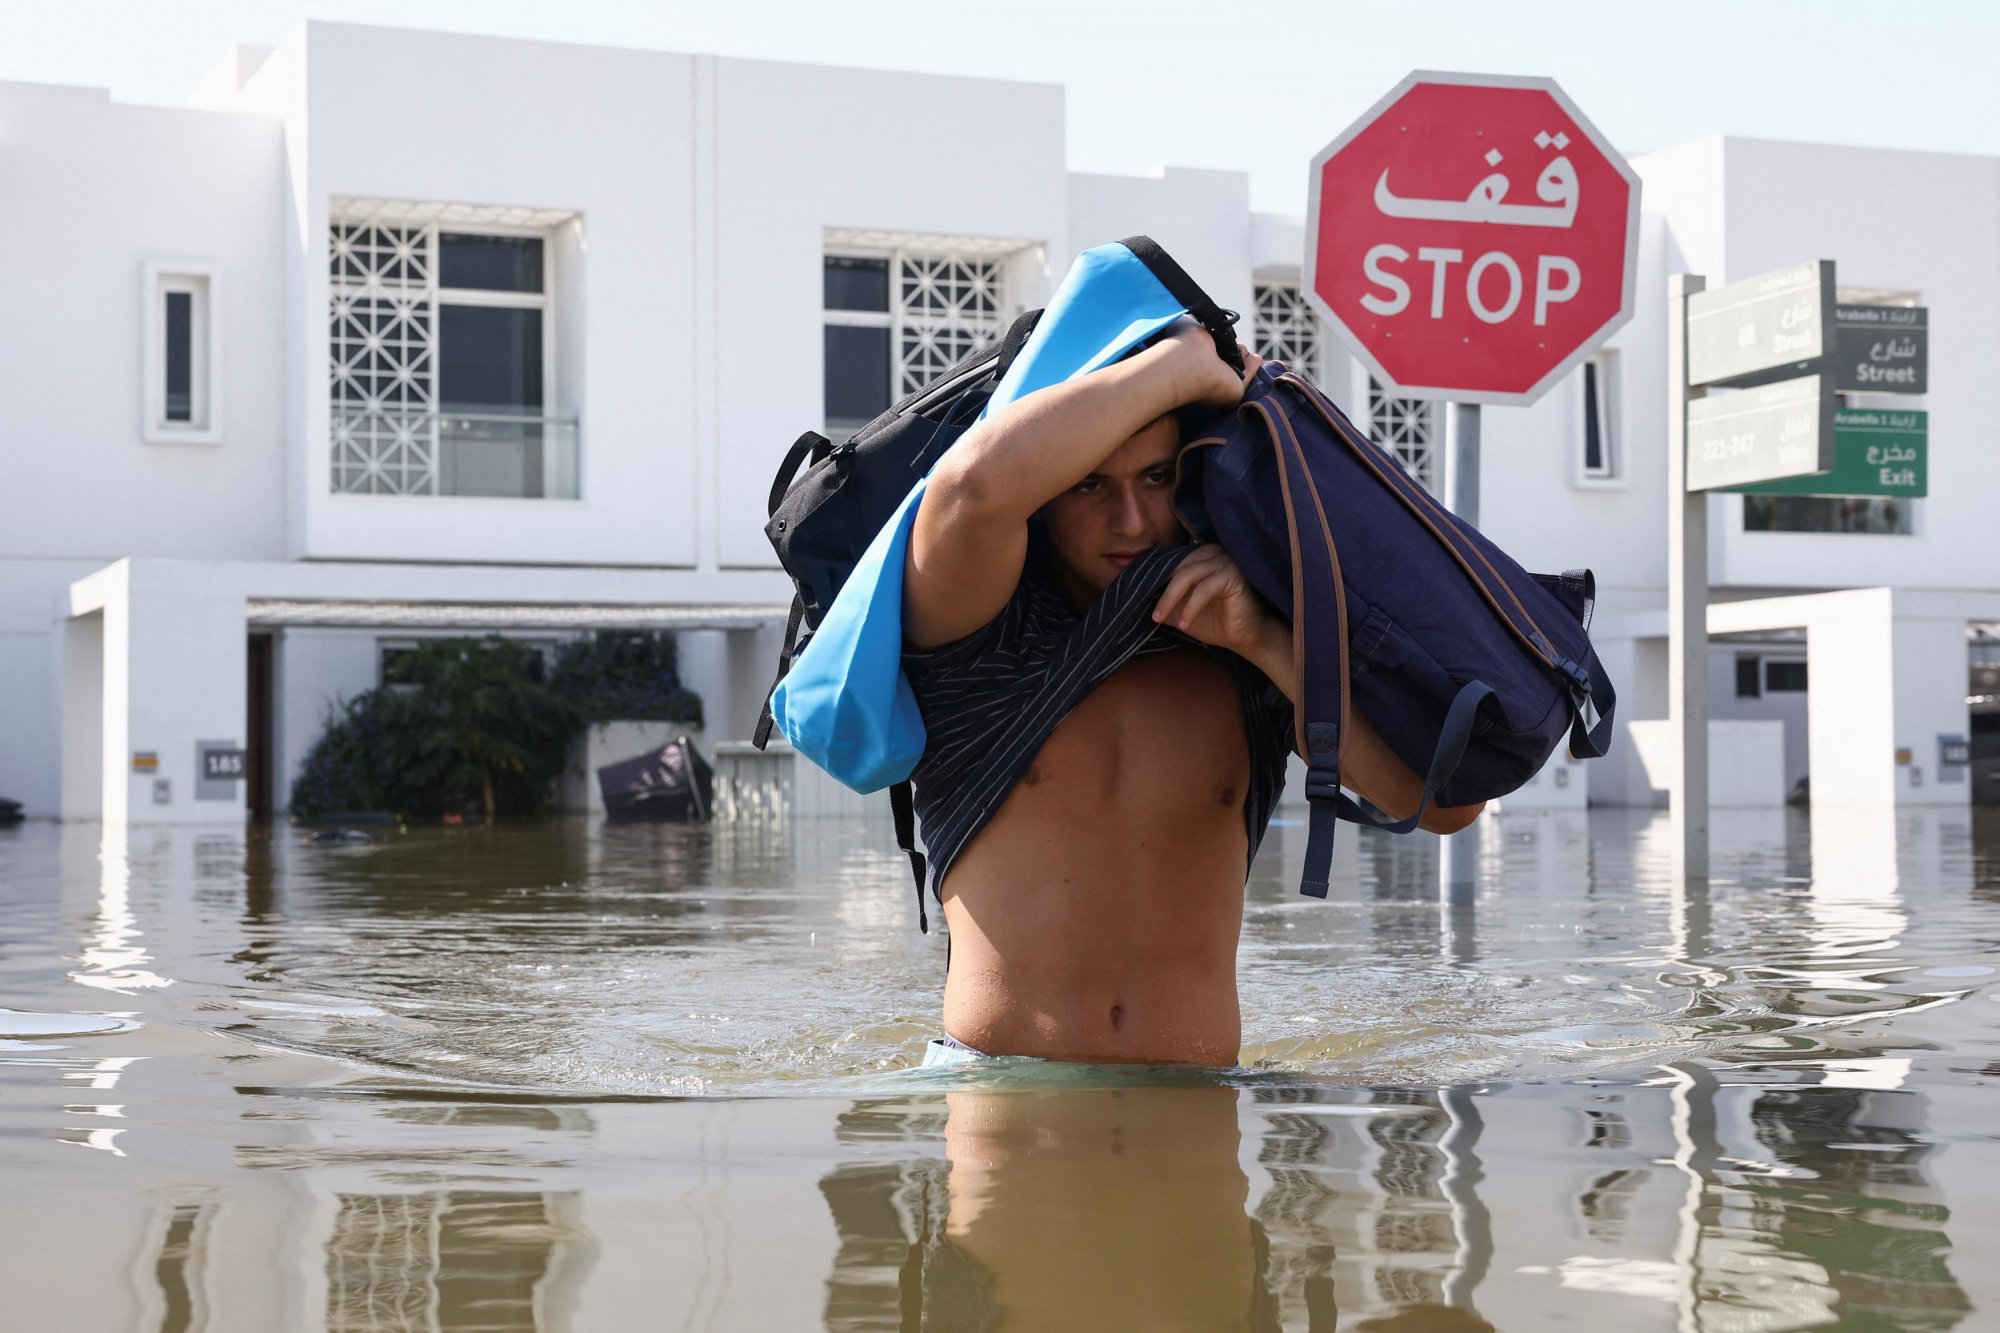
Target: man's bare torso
<point x="1096" y="915"/>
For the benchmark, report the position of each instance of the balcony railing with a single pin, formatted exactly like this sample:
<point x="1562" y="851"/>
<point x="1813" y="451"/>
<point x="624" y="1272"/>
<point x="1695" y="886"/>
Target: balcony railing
<point x="496" y="454"/>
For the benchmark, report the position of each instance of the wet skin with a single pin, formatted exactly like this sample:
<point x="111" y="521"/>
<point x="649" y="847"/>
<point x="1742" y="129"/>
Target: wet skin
<point x="1096" y="915"/>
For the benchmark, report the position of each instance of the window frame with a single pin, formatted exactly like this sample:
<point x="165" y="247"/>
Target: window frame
<point x="436" y="295"/>
<point x="1755" y="663"/>
<point x="1612" y="475"/>
<point x="544" y="300"/>
<point x="201" y="279"/>
<point x="1771" y="688"/>
<point x="894" y="319"/>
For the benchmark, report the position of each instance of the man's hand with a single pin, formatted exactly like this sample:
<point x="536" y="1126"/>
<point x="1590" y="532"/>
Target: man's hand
<point x="1204" y="377"/>
<point x="1209" y="600"/>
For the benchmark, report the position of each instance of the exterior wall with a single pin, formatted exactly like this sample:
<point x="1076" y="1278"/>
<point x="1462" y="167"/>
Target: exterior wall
<point x="312" y="672"/>
<point x="604" y="133"/>
<point x="94" y="190"/>
<point x="31" y="666"/>
<point x="1785" y="706"/>
<point x="1202" y="218"/>
<point x="793" y="150"/>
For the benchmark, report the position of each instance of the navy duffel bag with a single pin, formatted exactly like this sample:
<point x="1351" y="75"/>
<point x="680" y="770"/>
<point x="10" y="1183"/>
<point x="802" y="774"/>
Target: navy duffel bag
<point x="1471" y="669"/>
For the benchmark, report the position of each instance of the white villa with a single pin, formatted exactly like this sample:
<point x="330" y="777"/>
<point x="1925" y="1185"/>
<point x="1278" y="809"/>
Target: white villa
<point x="396" y="333"/>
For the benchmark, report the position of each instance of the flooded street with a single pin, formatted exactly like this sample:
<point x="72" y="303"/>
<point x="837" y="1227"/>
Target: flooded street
<point x="569" y="1077"/>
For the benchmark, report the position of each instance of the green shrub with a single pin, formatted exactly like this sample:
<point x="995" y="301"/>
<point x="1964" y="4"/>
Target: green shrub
<point x="470" y="725"/>
<point x="624" y="675"/>
<point x="480" y="725"/>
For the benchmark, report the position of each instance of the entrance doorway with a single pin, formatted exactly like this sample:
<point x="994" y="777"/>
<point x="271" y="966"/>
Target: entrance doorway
<point x="257" y="731"/>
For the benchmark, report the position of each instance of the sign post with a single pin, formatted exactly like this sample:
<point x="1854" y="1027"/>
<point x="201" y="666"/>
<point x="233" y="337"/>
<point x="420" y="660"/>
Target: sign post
<point x="1471" y="238"/>
<point x="1687" y="604"/>
<point x="1769" y="339"/>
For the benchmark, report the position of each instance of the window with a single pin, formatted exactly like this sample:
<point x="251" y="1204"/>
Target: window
<point x="1784" y="677"/>
<point x="394" y="658"/>
<point x="894" y="322"/>
<point x="1407" y="428"/>
<point x="1749" y="676"/>
<point x="1598" y="460"/>
<point x="183" y="353"/>
<point x="442" y="356"/>
<point x="1286" y="329"/>
<point x="1826" y="513"/>
<point x="1986" y="736"/>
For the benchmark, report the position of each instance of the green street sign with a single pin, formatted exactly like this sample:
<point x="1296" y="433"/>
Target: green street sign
<point x="1874" y="453"/>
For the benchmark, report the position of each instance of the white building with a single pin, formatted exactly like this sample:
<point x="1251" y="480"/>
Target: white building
<point x="398" y="332"/>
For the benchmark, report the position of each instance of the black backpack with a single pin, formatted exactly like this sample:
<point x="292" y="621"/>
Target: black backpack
<point x="821" y="522"/>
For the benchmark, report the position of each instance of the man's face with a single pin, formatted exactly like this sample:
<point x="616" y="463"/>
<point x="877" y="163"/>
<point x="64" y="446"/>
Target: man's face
<point x="1117" y="513"/>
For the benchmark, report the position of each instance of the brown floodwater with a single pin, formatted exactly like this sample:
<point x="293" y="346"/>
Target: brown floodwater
<point x="569" y="1077"/>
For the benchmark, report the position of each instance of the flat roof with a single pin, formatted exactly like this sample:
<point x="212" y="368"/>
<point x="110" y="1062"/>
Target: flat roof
<point x="499" y="615"/>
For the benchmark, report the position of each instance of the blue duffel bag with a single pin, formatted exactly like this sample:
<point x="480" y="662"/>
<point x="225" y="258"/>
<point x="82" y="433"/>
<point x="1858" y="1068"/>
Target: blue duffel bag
<point x="1469" y="668"/>
<point x="844" y="703"/>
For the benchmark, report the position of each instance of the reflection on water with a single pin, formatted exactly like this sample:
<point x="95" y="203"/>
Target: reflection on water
<point x="457" y="1259"/>
<point x="1066" y="1206"/>
<point x="566" y="1077"/>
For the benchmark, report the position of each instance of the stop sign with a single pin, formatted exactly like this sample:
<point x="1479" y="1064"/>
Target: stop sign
<point x="1472" y="237"/>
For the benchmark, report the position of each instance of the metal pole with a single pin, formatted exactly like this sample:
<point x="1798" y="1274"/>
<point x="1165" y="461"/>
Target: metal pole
<point x="1465" y="461"/>
<point x="1458" y="858"/>
<point x="1687" y="606"/>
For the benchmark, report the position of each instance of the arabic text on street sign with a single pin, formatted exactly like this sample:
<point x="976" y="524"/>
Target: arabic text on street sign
<point x="1764" y="328"/>
<point x="1761" y="434"/>
<point x="1874" y="453"/>
<point x="1882" y="349"/>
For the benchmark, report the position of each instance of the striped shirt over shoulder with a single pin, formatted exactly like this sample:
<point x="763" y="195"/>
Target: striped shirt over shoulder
<point x="990" y="700"/>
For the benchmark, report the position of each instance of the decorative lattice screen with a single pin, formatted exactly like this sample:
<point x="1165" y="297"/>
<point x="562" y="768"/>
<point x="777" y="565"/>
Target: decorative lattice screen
<point x="383" y="350"/>
<point x="1408" y="429"/>
<point x="1286" y="329"/>
<point x="947" y="307"/>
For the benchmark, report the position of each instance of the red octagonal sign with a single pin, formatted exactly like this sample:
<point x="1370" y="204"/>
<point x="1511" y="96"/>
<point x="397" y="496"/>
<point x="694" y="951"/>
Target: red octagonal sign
<point x="1472" y="237"/>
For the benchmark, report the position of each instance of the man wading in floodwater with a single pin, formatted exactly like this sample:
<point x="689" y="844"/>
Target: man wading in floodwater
<point x="1105" y="742"/>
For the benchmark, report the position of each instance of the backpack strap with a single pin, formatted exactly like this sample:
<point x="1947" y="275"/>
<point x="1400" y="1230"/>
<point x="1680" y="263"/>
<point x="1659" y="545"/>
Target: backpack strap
<point x="1316" y="601"/>
<point x="1588" y="683"/>
<point x="1192" y="298"/>
<point x="811" y="443"/>
<point x="1318" y="595"/>
<point x="903" y="810"/>
<point x="761" y="737"/>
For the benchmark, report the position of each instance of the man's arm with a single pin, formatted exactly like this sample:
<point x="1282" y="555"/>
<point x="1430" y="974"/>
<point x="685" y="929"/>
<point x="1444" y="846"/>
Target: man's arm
<point x="971" y="531"/>
<point x="1209" y="599"/>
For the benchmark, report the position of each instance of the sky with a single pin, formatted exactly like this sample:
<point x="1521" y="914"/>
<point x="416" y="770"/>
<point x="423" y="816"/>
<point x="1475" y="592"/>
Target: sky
<point x="1257" y="88"/>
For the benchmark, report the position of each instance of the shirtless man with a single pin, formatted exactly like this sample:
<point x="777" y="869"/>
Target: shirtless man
<point x="1094" y="911"/>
